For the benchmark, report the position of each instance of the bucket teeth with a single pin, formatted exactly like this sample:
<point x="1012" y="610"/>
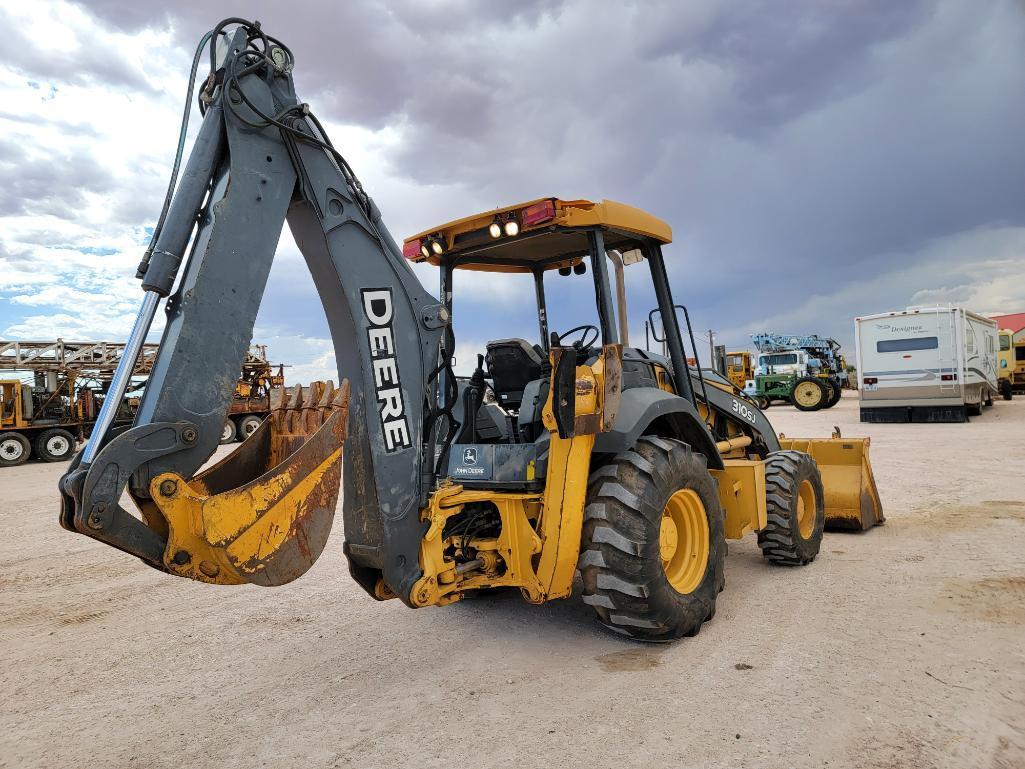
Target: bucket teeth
<point x="262" y="514"/>
<point x="297" y="415"/>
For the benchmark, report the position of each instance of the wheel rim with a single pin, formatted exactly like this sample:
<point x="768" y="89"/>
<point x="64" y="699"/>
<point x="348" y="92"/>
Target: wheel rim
<point x="249" y="427"/>
<point x="683" y="541"/>
<point x="226" y="432"/>
<point x="58" y="446"/>
<point x="808" y="393"/>
<point x="11" y="449"/>
<point x="806" y="508"/>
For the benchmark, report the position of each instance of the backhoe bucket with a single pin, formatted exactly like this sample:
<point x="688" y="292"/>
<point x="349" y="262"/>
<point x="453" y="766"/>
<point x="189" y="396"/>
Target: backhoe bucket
<point x="852" y="499"/>
<point x="262" y="514"/>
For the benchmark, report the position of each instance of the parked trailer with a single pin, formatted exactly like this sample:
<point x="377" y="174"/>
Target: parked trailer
<point x="926" y="364"/>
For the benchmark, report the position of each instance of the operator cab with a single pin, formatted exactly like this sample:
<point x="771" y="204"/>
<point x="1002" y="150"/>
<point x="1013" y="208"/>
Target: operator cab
<point x="499" y="440"/>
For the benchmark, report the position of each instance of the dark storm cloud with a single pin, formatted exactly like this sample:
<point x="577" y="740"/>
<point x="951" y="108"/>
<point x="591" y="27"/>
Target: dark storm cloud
<point x="87" y="63"/>
<point x="794" y="147"/>
<point x="37" y="184"/>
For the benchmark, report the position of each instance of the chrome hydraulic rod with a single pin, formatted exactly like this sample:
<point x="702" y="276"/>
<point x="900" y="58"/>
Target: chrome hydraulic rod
<point x="122" y="376"/>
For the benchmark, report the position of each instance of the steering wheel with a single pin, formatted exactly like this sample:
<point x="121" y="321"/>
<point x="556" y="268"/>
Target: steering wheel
<point x="588" y="336"/>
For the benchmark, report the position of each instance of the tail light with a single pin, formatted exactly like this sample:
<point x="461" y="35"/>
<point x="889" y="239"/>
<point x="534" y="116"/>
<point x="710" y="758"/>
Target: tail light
<point x="411" y="251"/>
<point x="870" y="380"/>
<point x="538" y="213"/>
<point x="948" y="377"/>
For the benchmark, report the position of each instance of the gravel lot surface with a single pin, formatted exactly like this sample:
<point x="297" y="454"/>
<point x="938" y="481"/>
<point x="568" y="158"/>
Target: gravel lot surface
<point x="900" y="647"/>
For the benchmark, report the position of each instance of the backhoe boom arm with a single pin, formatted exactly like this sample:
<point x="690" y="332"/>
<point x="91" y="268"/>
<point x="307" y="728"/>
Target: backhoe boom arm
<point x="262" y="159"/>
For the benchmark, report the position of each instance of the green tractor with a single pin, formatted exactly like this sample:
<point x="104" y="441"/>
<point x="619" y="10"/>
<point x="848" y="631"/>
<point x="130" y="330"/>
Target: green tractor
<point x="805" y="371"/>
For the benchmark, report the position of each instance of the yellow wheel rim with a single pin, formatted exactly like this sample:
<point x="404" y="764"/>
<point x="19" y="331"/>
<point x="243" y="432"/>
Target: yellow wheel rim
<point x="808" y="393"/>
<point x="806" y="509"/>
<point x="683" y="541"/>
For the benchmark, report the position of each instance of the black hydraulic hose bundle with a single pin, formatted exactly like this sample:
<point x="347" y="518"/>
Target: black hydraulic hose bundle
<point x="144" y="264"/>
<point x="296" y="124"/>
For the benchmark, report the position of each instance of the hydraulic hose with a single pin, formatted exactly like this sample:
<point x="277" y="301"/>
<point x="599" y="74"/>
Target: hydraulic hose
<point x="140" y="271"/>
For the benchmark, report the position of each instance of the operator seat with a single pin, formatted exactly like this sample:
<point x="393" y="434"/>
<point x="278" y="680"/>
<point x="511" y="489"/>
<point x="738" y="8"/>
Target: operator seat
<point x="512" y="363"/>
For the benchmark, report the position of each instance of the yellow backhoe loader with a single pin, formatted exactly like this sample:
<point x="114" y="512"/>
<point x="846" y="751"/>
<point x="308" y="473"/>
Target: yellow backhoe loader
<point x="576" y="453"/>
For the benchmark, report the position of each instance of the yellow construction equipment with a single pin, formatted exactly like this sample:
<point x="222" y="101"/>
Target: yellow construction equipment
<point x="740" y="368"/>
<point x="572" y="454"/>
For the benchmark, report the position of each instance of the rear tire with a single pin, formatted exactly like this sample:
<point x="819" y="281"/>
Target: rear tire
<point x="55" y="445"/>
<point x="230" y="431"/>
<point x="796" y="512"/>
<point x="762" y="402"/>
<point x="247" y="426"/>
<point x="14" y="449"/>
<point x="1005" y="389"/>
<point x="809" y="394"/>
<point x="835" y="393"/>
<point x="625" y="539"/>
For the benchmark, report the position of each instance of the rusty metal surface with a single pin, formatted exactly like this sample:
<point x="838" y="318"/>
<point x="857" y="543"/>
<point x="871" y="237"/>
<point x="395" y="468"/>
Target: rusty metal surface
<point x="263" y="514"/>
<point x="612" y="389"/>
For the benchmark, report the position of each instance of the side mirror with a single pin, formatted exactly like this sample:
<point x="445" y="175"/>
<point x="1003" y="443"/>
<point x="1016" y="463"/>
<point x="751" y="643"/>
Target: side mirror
<point x="633" y="256"/>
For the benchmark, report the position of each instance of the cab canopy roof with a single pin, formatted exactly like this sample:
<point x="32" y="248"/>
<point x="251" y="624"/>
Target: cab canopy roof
<point x="546" y="233"/>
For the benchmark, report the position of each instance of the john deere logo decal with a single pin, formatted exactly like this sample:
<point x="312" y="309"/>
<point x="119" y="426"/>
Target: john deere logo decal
<point x="469" y="456"/>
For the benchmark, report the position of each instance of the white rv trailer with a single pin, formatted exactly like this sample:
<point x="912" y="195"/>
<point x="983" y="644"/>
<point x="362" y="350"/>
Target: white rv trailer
<point x="925" y="364"/>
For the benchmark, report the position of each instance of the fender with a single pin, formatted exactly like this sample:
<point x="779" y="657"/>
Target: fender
<point x="738" y="409"/>
<point x="641" y="409"/>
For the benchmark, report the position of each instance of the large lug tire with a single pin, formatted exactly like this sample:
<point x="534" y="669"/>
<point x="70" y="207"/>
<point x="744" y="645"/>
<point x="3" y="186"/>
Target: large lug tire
<point x="835" y="393"/>
<point x="1006" y="391"/>
<point x="652" y="521"/>
<point x="809" y="394"/>
<point x="247" y="425"/>
<point x="55" y="445"/>
<point x="796" y="512"/>
<point x="230" y="431"/>
<point x="14" y="449"/>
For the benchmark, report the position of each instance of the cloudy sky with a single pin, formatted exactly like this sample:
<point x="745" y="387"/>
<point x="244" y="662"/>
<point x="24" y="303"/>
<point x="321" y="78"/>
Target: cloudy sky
<point x="816" y="160"/>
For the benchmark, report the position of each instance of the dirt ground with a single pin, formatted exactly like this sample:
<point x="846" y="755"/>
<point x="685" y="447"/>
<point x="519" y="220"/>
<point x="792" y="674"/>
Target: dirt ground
<point x="901" y="647"/>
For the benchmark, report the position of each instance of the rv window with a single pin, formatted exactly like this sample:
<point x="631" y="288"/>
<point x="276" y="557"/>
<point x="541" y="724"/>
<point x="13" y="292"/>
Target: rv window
<point x="782" y="359"/>
<point x="906" y="345"/>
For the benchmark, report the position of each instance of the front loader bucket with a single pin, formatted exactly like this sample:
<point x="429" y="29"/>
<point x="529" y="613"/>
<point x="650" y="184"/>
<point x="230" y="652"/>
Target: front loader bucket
<point x="852" y="499"/>
<point x="261" y="515"/>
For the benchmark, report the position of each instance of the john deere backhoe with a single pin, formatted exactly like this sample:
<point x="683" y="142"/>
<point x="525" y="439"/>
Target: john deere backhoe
<point x="577" y="453"/>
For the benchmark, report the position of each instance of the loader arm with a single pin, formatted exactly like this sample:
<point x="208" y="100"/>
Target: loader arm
<point x="261" y="159"/>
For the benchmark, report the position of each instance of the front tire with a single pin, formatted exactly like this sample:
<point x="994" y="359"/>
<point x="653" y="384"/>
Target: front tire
<point x="796" y="511"/>
<point x="809" y="394"/>
<point x="653" y="542"/>
<point x="55" y="445"/>
<point x="230" y="431"/>
<point x="14" y="449"/>
<point x="1005" y="389"/>
<point x="247" y="426"/>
